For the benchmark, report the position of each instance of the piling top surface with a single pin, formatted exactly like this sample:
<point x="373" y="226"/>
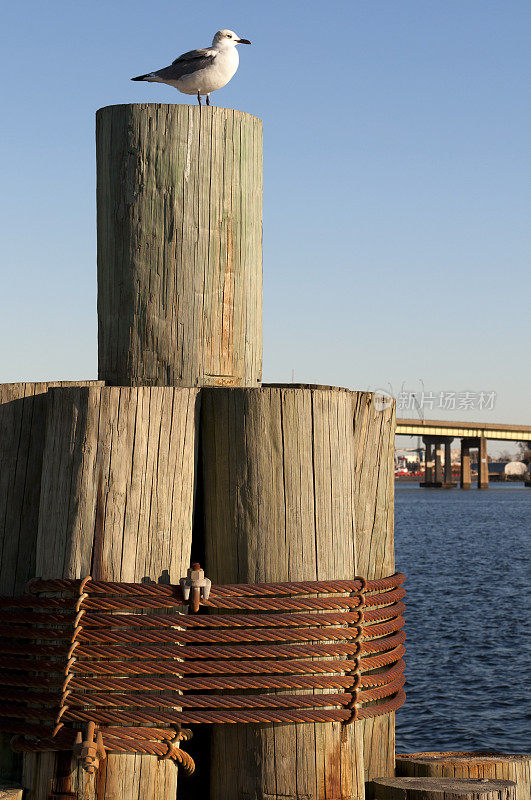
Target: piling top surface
<point x="165" y="106"/>
<point x="445" y="786"/>
<point x="474" y="755"/>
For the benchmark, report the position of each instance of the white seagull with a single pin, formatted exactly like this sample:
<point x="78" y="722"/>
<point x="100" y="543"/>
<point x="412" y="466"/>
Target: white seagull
<point x="202" y="71"/>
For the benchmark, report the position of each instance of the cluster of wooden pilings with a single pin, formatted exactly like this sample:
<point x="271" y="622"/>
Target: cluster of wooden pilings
<point x="178" y="451"/>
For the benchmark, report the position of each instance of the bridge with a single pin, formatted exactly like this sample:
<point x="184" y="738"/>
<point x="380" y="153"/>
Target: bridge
<point x="474" y="435"/>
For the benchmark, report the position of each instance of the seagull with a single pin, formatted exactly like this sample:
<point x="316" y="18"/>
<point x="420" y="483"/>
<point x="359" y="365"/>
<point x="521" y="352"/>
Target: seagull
<point x="201" y="71"/>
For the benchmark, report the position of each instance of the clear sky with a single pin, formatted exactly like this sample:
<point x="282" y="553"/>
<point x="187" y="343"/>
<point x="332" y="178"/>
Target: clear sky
<point x="397" y="200"/>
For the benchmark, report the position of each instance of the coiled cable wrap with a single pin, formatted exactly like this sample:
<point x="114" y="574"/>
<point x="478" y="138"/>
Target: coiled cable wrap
<point x="129" y="659"/>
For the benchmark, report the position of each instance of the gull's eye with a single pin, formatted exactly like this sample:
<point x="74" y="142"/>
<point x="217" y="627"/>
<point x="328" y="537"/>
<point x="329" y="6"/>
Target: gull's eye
<point x="229" y="36"/>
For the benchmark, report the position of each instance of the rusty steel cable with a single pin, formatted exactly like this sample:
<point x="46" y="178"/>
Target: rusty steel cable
<point x="85" y="657"/>
<point x="158" y="622"/>
<point x="158" y="635"/>
<point x="173" y="666"/>
<point x="157" y="742"/>
<point x="141" y="602"/>
<point x="139" y="699"/>
<point x="173" y="591"/>
<point x="196" y="683"/>
<point x="176" y="683"/>
<point x="212" y="682"/>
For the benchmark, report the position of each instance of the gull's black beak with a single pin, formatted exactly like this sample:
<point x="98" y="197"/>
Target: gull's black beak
<point x="244" y="41"/>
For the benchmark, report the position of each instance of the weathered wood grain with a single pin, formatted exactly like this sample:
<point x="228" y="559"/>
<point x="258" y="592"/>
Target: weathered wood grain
<point x="279" y="499"/>
<point x="116" y="502"/>
<point x="374" y="437"/>
<point x="10" y="791"/>
<point x="480" y="764"/>
<point x="22" y="430"/>
<point x="179" y="245"/>
<point x="443" y="789"/>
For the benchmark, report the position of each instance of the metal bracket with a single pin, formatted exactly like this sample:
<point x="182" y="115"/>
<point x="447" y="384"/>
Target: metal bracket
<point x="195" y="587"/>
<point x="91" y="750"/>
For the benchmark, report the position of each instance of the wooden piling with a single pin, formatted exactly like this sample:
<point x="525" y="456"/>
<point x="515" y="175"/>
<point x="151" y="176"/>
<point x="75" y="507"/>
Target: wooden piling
<point x="179" y="246"/>
<point x="443" y="789"/>
<point x="281" y="486"/>
<point x="23" y="408"/>
<point x="374" y="495"/>
<point x="117" y="503"/>
<point x="479" y="764"/>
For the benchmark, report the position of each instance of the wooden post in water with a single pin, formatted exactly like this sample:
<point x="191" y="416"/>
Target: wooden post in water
<point x="480" y="765"/>
<point x="283" y="477"/>
<point x="179" y="246"/>
<point x="116" y="503"/>
<point x="374" y="447"/>
<point x="23" y="408"/>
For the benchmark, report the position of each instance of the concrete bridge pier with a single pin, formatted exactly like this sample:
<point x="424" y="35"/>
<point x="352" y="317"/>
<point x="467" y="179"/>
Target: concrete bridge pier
<point x="466" y="468"/>
<point x="467" y="445"/>
<point x="483" y="465"/>
<point x="428" y="461"/>
<point x="437" y="476"/>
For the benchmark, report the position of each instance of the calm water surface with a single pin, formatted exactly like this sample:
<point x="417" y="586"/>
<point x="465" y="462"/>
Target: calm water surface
<point x="467" y="561"/>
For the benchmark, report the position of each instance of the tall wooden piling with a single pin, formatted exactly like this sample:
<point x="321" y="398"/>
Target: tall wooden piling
<point x="117" y="503"/>
<point x="283" y="477"/>
<point x="179" y="246"/>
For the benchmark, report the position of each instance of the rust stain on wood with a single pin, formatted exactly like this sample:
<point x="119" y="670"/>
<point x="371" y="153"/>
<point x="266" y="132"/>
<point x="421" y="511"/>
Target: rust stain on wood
<point x="332" y="776"/>
<point x="100" y="782"/>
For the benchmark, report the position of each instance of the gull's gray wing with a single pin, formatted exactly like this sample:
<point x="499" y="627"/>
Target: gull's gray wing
<point x="189" y="62"/>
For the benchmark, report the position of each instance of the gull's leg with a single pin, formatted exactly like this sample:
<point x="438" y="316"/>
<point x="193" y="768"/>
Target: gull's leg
<point x="208" y="100"/>
<point x="199" y="98"/>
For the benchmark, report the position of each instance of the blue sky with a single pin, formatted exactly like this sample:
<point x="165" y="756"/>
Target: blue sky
<point x="397" y="199"/>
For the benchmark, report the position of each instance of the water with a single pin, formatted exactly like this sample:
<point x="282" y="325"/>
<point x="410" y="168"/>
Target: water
<point x="466" y="558"/>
